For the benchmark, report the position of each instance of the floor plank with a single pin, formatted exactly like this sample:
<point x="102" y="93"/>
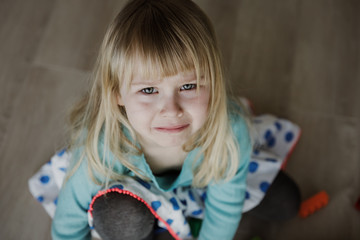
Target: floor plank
<point x="22" y="26"/>
<point x="75" y="32"/>
<point x="262" y="62"/>
<point x="35" y="133"/>
<point x="296" y="59"/>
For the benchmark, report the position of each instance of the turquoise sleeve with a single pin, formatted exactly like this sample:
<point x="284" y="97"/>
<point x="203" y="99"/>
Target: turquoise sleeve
<point x="70" y="220"/>
<point x="224" y="202"/>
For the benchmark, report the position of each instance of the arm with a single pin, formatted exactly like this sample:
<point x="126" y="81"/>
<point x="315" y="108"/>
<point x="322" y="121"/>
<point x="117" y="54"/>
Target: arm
<point x="224" y="202"/>
<point x="223" y="206"/>
<point x="70" y="220"/>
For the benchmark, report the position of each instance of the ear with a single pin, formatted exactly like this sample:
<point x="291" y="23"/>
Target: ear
<point x="119" y="100"/>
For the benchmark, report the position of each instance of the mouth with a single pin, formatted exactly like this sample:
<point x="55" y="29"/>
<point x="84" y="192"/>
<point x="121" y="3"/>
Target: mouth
<point x="172" y="129"/>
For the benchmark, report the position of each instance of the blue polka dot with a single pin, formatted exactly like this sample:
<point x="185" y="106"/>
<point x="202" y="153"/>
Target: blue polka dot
<point x="183" y="202"/>
<point x="253" y="166"/>
<point x="278" y="126"/>
<point x="197" y="212"/>
<point x="48" y="163"/>
<point x="175" y="204"/>
<point x="158" y="230"/>
<point x="269" y="138"/>
<point x="271" y="160"/>
<point x="62" y="169"/>
<point x="119" y="186"/>
<point x="185" y="222"/>
<point x="145" y="184"/>
<point x="56" y="201"/>
<point x="271" y="142"/>
<point x="92" y="227"/>
<point x="169" y="221"/>
<point x="268" y="135"/>
<point x="256" y="151"/>
<point x="40" y="199"/>
<point x="289" y="136"/>
<point x="175" y="190"/>
<point x="203" y="197"/>
<point x="247" y="195"/>
<point x="191" y="196"/>
<point x="61" y="152"/>
<point x="155" y="205"/>
<point x="44" y="179"/>
<point x="264" y="186"/>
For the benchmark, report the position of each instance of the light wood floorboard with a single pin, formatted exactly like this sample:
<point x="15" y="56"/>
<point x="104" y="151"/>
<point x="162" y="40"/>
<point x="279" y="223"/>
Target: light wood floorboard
<point x="296" y="59"/>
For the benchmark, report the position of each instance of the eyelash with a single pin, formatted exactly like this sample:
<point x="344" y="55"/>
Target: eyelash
<point x="185" y="87"/>
<point x="145" y="90"/>
<point x="192" y="86"/>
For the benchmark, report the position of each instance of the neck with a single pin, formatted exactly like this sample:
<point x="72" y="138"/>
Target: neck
<point x="163" y="159"/>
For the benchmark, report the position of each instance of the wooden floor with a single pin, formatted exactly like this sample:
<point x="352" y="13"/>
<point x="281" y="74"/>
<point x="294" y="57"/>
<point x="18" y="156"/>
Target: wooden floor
<point x="297" y="59"/>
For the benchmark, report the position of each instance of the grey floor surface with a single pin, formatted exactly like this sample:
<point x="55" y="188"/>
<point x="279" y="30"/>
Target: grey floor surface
<point x="297" y="59"/>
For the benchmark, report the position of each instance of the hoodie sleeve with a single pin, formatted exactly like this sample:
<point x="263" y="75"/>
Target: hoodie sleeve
<point x="224" y="202"/>
<point x="70" y="220"/>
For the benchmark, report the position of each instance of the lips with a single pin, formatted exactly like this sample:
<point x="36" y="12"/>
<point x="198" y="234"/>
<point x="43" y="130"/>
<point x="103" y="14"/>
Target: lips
<point x="172" y="129"/>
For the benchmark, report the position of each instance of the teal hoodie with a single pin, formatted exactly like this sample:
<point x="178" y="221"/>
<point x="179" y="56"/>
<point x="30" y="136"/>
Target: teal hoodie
<point x="223" y="204"/>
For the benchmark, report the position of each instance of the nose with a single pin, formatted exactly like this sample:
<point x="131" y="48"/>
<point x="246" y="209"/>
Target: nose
<point x="171" y="107"/>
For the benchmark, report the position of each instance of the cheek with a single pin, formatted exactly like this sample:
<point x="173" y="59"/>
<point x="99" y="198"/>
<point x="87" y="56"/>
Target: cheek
<point x="139" y="114"/>
<point x="203" y="100"/>
<point x="199" y="107"/>
<point x="134" y="106"/>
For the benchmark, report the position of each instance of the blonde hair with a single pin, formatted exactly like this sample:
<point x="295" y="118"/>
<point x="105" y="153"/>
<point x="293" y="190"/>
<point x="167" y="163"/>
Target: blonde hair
<point x="174" y="36"/>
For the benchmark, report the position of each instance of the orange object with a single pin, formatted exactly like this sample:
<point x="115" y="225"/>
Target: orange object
<point x="313" y="204"/>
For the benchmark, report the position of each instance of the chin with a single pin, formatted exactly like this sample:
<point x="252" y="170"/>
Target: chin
<point x="169" y="144"/>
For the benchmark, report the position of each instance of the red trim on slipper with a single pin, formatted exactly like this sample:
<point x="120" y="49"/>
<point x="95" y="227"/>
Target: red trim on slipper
<point x="100" y="193"/>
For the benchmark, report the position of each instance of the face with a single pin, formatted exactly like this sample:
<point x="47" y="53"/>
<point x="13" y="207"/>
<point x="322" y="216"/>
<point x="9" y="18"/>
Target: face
<point x="165" y="112"/>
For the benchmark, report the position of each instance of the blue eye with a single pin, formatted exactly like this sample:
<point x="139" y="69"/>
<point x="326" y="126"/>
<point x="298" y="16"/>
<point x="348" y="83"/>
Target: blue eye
<point x="149" y="90"/>
<point x="188" y="86"/>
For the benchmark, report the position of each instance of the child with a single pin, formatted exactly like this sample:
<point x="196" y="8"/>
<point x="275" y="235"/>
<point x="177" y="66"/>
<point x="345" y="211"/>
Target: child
<point x="156" y="141"/>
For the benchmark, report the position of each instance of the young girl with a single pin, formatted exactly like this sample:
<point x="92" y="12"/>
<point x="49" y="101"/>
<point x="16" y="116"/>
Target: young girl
<point x="156" y="141"/>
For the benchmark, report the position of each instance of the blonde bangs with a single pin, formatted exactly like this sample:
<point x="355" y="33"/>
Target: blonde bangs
<point x="153" y="47"/>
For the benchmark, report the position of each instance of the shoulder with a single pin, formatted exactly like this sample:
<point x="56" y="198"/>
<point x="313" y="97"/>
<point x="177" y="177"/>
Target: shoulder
<point x="84" y="170"/>
<point x="78" y="170"/>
